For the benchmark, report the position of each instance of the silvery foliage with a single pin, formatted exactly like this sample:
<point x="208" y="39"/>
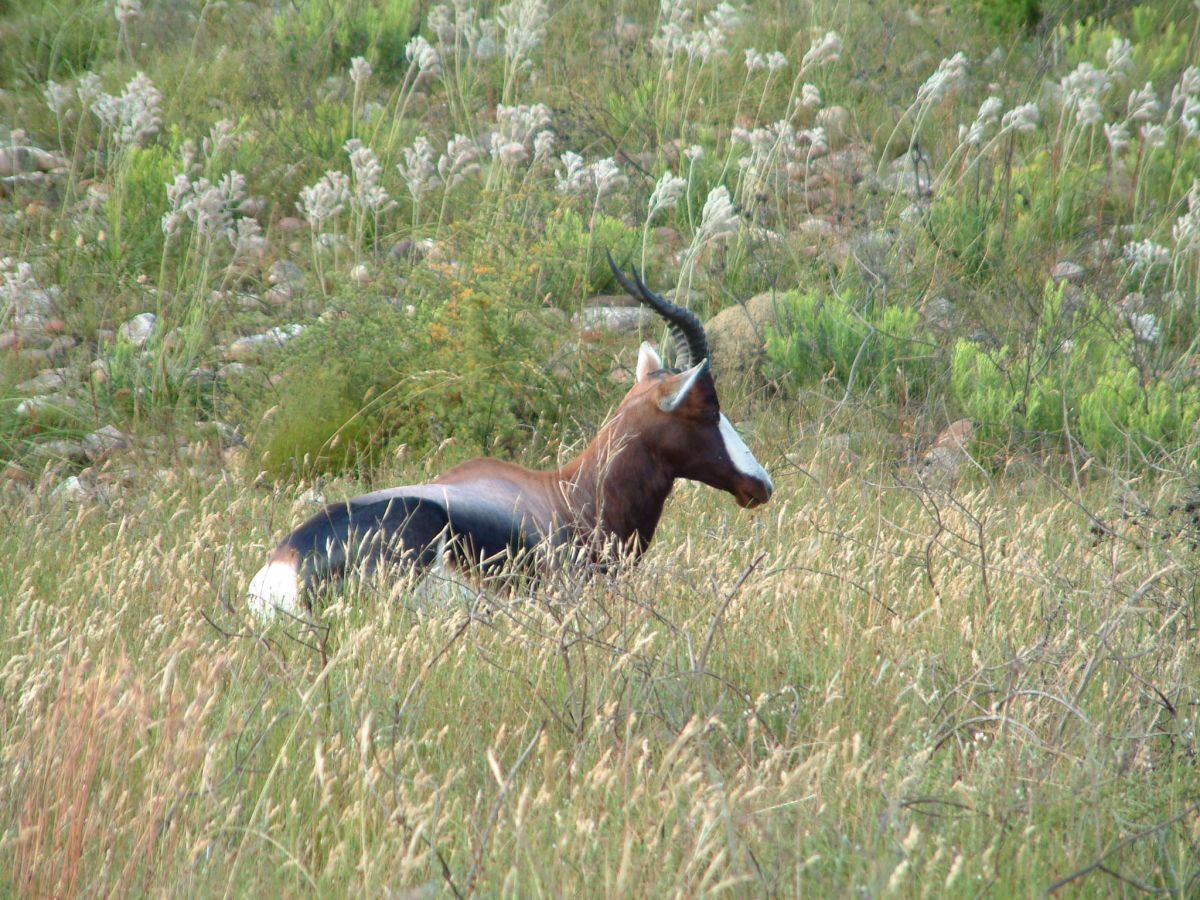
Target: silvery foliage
<point x="420" y="53"/>
<point x="780" y="148"/>
<point x="134" y="118"/>
<point x="211" y="208"/>
<point x="518" y="29"/>
<point x="666" y="195"/>
<point x="718" y="219"/>
<point x="518" y="128"/>
<point x="769" y="62"/>
<point x="459" y="162"/>
<point x="1082" y="92"/>
<point x="677" y="32"/>
<point x="57" y="96"/>
<point x="1143" y="105"/>
<point x="23" y="303"/>
<point x="1119" y="58"/>
<point x="1022" y="119"/>
<point x="369" y="196"/>
<point x="126" y="11"/>
<point x="824" y="50"/>
<point x="985" y="120"/>
<point x="1185" y="101"/>
<point x="1117" y="135"/>
<point x="360" y="71"/>
<point x="1145" y="255"/>
<point x="220" y="136"/>
<point x="950" y="75"/>
<point x="326" y="199"/>
<point x="419" y="170"/>
<point x="1186" y="230"/>
<point x="599" y="179"/>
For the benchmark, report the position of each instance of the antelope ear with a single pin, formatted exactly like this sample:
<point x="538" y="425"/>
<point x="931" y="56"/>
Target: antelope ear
<point x="648" y="361"/>
<point x="688" y="379"/>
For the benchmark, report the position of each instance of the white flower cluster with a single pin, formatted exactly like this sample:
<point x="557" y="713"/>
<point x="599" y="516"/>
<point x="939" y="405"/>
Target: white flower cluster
<point x="1119" y="58"/>
<point x="459" y="162"/>
<point x="600" y="178"/>
<point x="677" y="33"/>
<point x="518" y="133"/>
<point x="21" y="298"/>
<point x="126" y="11"/>
<point x="950" y="75"/>
<point x="810" y="96"/>
<point x="135" y="117"/>
<point x="518" y="29"/>
<point x="420" y="53"/>
<point x="326" y="199"/>
<point x="419" y="170"/>
<point x="985" y="120"/>
<point x="57" y="96"/>
<point x="360" y="71"/>
<point x="1145" y="255"/>
<point x="220" y="136"/>
<point x="1186" y="230"/>
<point x="211" y="209"/>
<point x="666" y="195"/>
<point x="1021" y="119"/>
<point x="1083" y="90"/>
<point x="718" y="220"/>
<point x="824" y="50"/>
<point x="771" y="62"/>
<point x="777" y="148"/>
<point x="369" y="196"/>
<point x="1185" y="101"/>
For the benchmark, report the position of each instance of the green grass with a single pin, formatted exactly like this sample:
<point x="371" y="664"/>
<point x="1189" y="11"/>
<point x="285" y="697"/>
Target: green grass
<point x="889" y="681"/>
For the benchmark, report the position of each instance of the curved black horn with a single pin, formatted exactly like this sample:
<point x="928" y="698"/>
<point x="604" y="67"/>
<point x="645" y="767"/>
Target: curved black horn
<point x="691" y="343"/>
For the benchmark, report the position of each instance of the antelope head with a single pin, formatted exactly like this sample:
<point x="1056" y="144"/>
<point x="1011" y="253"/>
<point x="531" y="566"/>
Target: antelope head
<point x="676" y="410"/>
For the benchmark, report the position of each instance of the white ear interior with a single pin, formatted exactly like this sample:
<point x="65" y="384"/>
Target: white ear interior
<point x="672" y="403"/>
<point x="648" y="361"/>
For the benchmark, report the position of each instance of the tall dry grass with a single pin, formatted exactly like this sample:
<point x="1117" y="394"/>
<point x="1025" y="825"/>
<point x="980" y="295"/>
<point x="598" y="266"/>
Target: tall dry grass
<point x="872" y="686"/>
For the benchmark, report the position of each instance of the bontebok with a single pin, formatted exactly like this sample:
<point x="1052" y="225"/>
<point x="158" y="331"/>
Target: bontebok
<point x="486" y="513"/>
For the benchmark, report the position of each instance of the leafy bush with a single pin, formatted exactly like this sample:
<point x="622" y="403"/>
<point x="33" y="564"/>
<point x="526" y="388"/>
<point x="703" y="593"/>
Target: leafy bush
<point x="868" y="349"/>
<point x="371" y="375"/>
<point x="136" y="206"/>
<point x="573" y="259"/>
<point x="1077" y="373"/>
<point x="378" y="29"/>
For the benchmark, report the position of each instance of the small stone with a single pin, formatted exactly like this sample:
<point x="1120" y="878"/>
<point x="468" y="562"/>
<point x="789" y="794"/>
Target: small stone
<point x="72" y="490"/>
<point x="595" y="320"/>
<point x="815" y="227"/>
<point x="139" y="329"/>
<point x="48" y="407"/>
<point x="61" y="451"/>
<point x="60" y="346"/>
<point x="249" y="348"/>
<point x="291" y="225"/>
<point x="1068" y="271"/>
<point x="232" y="370"/>
<point x="359" y="275"/>
<point x="43" y="383"/>
<point x="948" y="454"/>
<point x="285" y="273"/>
<point x="105" y="442"/>
<point x="56" y="326"/>
<point x="608" y="300"/>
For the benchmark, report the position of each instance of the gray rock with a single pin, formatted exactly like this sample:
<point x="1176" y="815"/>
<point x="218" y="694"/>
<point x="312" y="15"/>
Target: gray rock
<point x="61" y="450"/>
<point x="232" y="370"/>
<point x="1068" y="271"/>
<point x="46" y="382"/>
<point x="105" y="442"/>
<point x="73" y="490"/>
<point x="613" y="319"/>
<point x="139" y="329"/>
<point x="14" y="160"/>
<point x="285" y="273"/>
<point x="251" y="347"/>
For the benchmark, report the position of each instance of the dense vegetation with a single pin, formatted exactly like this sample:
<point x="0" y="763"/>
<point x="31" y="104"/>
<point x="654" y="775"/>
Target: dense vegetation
<point x="258" y="253"/>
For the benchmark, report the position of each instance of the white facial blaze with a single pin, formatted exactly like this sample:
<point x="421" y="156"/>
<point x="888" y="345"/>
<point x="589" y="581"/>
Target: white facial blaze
<point x="740" y="455"/>
<point x="275" y="588"/>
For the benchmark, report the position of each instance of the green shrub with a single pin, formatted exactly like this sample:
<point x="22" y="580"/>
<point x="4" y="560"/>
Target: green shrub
<point x="1121" y="411"/>
<point x="574" y="261"/>
<point x="39" y="46"/>
<point x="863" y="350"/>
<point x="136" y="206"/>
<point x="338" y="31"/>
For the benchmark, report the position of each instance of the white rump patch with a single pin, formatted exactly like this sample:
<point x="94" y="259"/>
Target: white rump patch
<point x="741" y="457"/>
<point x="276" y="588"/>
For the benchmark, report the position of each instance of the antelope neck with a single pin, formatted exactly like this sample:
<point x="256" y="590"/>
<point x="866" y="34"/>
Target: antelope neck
<point x="617" y="487"/>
